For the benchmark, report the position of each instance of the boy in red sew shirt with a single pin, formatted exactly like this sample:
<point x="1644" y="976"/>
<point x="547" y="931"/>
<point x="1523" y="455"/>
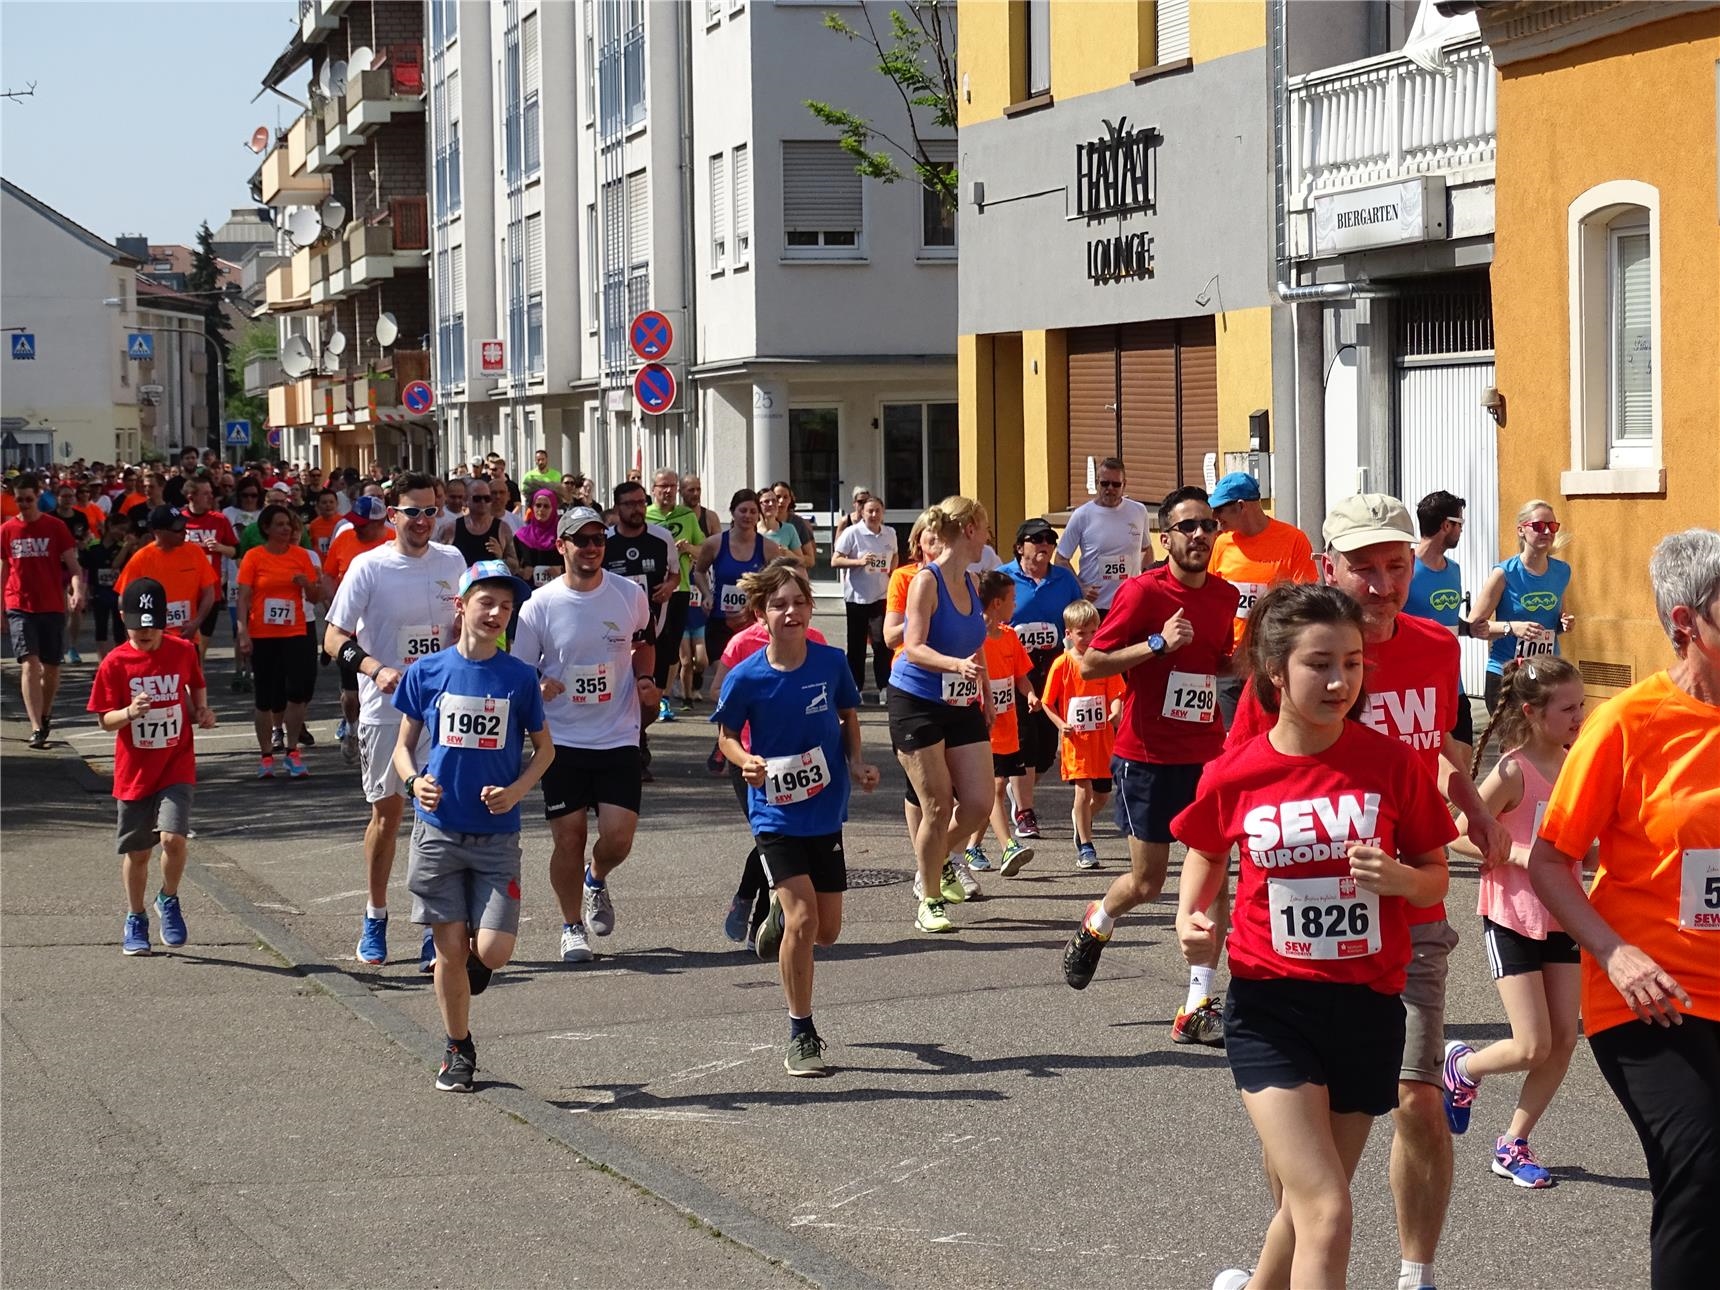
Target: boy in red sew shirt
<point x="150" y="692"/>
<point x="1086" y="715"/>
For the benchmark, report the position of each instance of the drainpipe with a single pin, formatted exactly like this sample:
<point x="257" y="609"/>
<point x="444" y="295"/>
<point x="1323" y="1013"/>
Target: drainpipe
<point x="689" y="394"/>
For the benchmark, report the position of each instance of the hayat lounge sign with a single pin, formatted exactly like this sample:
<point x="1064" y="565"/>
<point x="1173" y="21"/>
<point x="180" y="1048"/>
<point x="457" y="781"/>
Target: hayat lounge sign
<point x="1116" y="176"/>
<point x="1389" y="215"/>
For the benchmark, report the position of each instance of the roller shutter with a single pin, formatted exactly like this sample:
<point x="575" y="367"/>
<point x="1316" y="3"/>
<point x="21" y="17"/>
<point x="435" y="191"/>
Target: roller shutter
<point x="1092" y="403"/>
<point x="1148" y="363"/>
<point x="1197" y="365"/>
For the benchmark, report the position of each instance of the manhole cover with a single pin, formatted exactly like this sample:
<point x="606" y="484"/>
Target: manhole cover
<point x="877" y="877"/>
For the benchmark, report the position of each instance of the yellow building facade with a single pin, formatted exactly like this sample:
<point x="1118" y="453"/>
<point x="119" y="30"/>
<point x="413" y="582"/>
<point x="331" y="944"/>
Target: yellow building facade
<point x="1606" y="282"/>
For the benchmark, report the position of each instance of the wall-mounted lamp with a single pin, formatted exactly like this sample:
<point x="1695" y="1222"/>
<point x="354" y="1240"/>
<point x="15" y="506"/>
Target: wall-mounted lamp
<point x="1494" y="403"/>
<point x="978" y="191"/>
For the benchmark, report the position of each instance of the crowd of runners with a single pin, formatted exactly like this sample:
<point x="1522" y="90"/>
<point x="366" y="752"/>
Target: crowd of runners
<point x="1291" y="716"/>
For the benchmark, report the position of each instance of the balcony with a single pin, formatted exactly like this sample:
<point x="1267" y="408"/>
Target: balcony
<point x="336" y="141"/>
<point x="285" y="182"/>
<point x="290" y="403"/>
<point x="397" y="239"/>
<point x="287" y="288"/>
<point x="319" y="17"/>
<point x="328" y="269"/>
<point x="254" y="273"/>
<point x="373" y="394"/>
<point x="1387" y="119"/>
<point x="376" y="97"/>
<point x="262" y="373"/>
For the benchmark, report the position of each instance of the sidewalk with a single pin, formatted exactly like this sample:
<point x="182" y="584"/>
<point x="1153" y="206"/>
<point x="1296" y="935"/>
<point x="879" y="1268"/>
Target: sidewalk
<point x="213" y="1117"/>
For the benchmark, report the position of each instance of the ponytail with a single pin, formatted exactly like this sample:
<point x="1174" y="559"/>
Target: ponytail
<point x="1524" y="681"/>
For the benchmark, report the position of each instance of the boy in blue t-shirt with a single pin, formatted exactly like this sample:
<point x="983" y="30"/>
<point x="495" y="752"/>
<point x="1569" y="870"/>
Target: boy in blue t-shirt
<point x="464" y="870"/>
<point x="798" y="703"/>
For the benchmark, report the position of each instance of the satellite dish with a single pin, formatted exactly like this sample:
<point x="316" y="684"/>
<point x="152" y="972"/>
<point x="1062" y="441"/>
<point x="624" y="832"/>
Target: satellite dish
<point x="333" y="213"/>
<point x="296" y="357"/>
<point x="336" y="343"/>
<point x="259" y="139"/>
<point x="387" y="330"/>
<point x="361" y="61"/>
<point x="322" y="81"/>
<point x="337" y="80"/>
<point x="303" y="225"/>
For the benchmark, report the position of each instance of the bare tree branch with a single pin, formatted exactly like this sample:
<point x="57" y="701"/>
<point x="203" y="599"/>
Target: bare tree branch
<point x="18" y="96"/>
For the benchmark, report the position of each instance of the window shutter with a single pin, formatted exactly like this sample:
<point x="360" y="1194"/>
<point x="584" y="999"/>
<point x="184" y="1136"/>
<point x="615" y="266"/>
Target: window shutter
<point x="719" y="209"/>
<point x="820" y="188"/>
<point x="532" y="62"/>
<point x="1197" y="371"/>
<point x="743" y="202"/>
<point x="457" y="287"/>
<point x="534" y="254"/>
<point x="1092" y="380"/>
<point x="638" y="219"/>
<point x="1633" y="339"/>
<point x="1171" y="19"/>
<point x="1148" y="366"/>
<point x="442" y="283"/>
<point x="454" y="95"/>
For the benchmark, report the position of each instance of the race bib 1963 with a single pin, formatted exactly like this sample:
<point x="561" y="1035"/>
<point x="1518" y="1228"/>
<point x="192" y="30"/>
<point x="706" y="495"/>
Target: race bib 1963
<point x="796" y="778"/>
<point x="471" y="722"/>
<point x="1323" y="918"/>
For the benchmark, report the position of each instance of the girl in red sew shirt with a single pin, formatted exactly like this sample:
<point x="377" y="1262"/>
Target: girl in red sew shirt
<point x="1339" y="829"/>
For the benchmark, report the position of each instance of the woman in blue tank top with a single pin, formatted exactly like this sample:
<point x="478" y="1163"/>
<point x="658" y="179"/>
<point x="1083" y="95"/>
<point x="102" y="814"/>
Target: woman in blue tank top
<point x="719" y="565"/>
<point x="940" y="704"/>
<point x="1528" y="593"/>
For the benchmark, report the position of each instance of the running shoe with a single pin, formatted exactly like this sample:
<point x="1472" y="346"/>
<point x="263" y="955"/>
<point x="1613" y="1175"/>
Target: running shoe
<point x="265" y="768"/>
<point x="306" y="738"/>
<point x="1086" y="855"/>
<point x="73" y="657"/>
<point x="964" y="876"/>
<point x="686" y="705"/>
<point x="1512" y="1159"/>
<point x="805" y="1055"/>
<point x="1081" y="955"/>
<point x="735" y="921"/>
<point x="1232" y="1279"/>
<point x="136" y="934"/>
<point x="977" y="858"/>
<point x="752" y="945"/>
<point x="665" y="712"/>
<point x="373" y="941"/>
<point x="246" y="682"/>
<point x="932" y="917"/>
<point x="597" y="910"/>
<point x="1205" y="1025"/>
<point x="340" y="729"/>
<point x="173" y="931"/>
<point x="1015" y="858"/>
<point x="349" y="743"/>
<point x="459" y="1067"/>
<point x="296" y="768"/>
<point x="770" y="932"/>
<point x="478" y="974"/>
<point x="1026" y="824"/>
<point x="427" y="953"/>
<point x="953" y="890"/>
<point x="1459" y="1092"/>
<point x="39" y="738"/>
<point x="278" y="740"/>
<point x="574" y="948"/>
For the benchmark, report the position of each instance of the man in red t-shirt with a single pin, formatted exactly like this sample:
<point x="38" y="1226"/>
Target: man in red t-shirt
<point x="1169" y="635"/>
<point x="150" y="692"/>
<point x="36" y="552"/>
<point x="212" y="531"/>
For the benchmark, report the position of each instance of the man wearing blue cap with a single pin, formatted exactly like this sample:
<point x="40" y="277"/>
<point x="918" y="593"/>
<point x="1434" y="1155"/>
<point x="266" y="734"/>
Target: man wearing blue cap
<point x="1253" y="552"/>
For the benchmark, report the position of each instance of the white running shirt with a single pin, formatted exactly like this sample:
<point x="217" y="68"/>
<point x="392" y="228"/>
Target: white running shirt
<point x="1109" y="539"/>
<point x="584" y="639"/>
<point x="866" y="586"/>
<point x="394" y="604"/>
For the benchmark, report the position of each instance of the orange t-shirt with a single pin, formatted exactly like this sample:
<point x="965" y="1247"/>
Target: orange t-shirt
<point x="896" y="594"/>
<point x="346" y="548"/>
<point x="1279" y="553"/>
<point x="277" y="602"/>
<point x="93" y="513"/>
<point x="131" y="501"/>
<point x="182" y="572"/>
<point x="321" y="530"/>
<point x="1006" y="666"/>
<point x="8" y="506"/>
<point x="1085" y="706"/>
<point x="1643" y="778"/>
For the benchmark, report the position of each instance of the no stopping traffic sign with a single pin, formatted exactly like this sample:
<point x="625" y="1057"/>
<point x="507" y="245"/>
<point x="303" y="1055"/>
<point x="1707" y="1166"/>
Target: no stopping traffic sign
<point x="654" y="388"/>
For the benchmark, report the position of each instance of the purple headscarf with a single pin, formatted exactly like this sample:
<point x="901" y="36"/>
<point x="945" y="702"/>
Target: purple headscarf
<point x="536" y="534"/>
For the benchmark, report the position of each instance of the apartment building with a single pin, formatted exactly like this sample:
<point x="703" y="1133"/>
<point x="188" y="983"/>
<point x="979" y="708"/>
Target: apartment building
<point x="595" y="160"/>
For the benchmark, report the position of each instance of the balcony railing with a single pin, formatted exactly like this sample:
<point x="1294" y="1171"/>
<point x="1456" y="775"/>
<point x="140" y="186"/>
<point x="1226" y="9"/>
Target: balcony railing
<point x="410" y="217"/>
<point x="261" y="373"/>
<point x="1388" y="118"/>
<point x="255" y="270"/>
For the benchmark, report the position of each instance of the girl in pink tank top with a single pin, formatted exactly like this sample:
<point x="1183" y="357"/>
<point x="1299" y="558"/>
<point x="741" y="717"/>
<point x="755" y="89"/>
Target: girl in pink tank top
<point x="1535" y="964"/>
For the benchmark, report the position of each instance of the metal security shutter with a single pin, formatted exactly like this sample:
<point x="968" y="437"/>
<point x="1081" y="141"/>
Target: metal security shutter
<point x="1148" y="367"/>
<point x="534" y="254"/>
<point x="719" y="210"/>
<point x="453" y="95"/>
<point x="1632" y="339"/>
<point x="457" y="270"/>
<point x="638" y="218"/>
<point x="1171" y="19"/>
<point x="533" y="77"/>
<point x="1092" y="403"/>
<point x="743" y="203"/>
<point x="820" y="188"/>
<point x="1197" y="367"/>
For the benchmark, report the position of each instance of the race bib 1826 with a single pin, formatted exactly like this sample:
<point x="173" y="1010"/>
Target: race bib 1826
<point x="1323" y="918"/>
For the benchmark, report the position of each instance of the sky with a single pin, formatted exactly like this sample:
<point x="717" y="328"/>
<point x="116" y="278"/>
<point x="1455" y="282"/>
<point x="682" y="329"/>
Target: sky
<point x="141" y="110"/>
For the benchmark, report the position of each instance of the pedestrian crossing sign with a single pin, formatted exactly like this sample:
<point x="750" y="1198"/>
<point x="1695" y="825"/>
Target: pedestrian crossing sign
<point x="24" y="345"/>
<point x="140" y="345"/>
<point x="238" y="434"/>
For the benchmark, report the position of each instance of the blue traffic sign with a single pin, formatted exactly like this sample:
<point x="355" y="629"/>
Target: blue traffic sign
<point x="651" y="335"/>
<point x="140" y="345"/>
<point x="418" y="397"/>
<point x="24" y="344"/>
<point x="274" y="436"/>
<point x="654" y="388"/>
<point x="238" y="434"/>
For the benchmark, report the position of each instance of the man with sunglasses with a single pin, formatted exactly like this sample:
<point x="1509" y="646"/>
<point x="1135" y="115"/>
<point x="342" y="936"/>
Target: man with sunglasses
<point x="646" y="555"/>
<point x="396" y="604"/>
<point x="1110" y="533"/>
<point x="481" y="534"/>
<point x="1169" y="635"/>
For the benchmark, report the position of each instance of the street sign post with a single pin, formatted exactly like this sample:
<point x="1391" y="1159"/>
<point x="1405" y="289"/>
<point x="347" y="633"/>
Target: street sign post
<point x="274" y="436"/>
<point x="492" y="358"/>
<point x="238" y="434"/>
<point x="651" y="336"/>
<point x="654" y="388"/>
<point x="418" y="397"/>
<point x="24" y="345"/>
<point x="139" y="346"/>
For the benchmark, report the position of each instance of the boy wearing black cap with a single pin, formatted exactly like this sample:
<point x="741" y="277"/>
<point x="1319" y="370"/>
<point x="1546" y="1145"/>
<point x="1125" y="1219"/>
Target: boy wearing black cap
<point x="150" y="692"/>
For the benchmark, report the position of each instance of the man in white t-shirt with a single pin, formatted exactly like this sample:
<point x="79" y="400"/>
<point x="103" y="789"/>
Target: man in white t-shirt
<point x="866" y="553"/>
<point x="395" y="605"/>
<point x="588" y="634"/>
<point x="1111" y="534"/>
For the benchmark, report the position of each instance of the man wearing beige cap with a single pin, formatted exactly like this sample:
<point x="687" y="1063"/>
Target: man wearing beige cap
<point x="1411" y="686"/>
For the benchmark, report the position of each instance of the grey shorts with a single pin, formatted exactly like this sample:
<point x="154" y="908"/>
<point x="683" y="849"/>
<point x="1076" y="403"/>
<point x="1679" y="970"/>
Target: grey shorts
<point x="376" y="759"/>
<point x="1424" y="1003"/>
<point x="143" y="820"/>
<point x="471" y="878"/>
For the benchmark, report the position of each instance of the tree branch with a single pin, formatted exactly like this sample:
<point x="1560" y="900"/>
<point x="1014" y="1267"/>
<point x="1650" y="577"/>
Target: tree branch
<point x="18" y="96"/>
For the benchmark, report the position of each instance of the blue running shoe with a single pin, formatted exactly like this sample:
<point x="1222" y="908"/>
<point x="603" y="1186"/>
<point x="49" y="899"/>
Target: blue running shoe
<point x="735" y="921"/>
<point x="373" y="942"/>
<point x="296" y="767"/>
<point x="136" y="934"/>
<point x="977" y="858"/>
<point x="427" y="953"/>
<point x="664" y="711"/>
<point x="1086" y="855"/>
<point x="1512" y="1159"/>
<point x="172" y="920"/>
<point x="1459" y="1091"/>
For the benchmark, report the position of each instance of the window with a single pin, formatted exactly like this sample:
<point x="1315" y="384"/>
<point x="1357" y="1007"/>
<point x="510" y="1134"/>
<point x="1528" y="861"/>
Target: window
<point x="1615" y="341"/>
<point x="453" y="164"/>
<point x="938" y="211"/>
<point x="822" y="201"/>
<point x="589" y="22"/>
<point x="532" y="84"/>
<point x="534" y="294"/>
<point x="1170" y="30"/>
<point x="633" y="63"/>
<point x="591" y="262"/>
<point x="1038" y="49"/>
<point x="713" y="12"/>
<point x="742" y="199"/>
<point x="457" y="329"/>
<point x="444" y="332"/>
<point x="922" y="454"/>
<point x="719" y="212"/>
<point x="812" y="456"/>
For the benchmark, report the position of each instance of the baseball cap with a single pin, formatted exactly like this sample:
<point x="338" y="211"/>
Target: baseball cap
<point x="1237" y="486"/>
<point x="143" y="604"/>
<point x="166" y="517"/>
<point x="1036" y="527"/>
<point x="367" y="508"/>
<point x="493" y="571"/>
<point x="576" y="519"/>
<point x="1365" y="519"/>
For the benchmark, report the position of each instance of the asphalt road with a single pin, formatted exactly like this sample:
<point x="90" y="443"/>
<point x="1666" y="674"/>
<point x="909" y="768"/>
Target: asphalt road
<point x="984" y="1124"/>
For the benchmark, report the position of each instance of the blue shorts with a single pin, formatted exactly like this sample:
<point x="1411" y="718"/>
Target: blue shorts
<point x="1151" y="794"/>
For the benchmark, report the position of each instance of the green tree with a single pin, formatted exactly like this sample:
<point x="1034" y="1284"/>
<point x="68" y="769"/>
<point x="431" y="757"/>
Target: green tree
<point x="204" y="284"/>
<point x="257" y="341"/>
<point x="917" y="56"/>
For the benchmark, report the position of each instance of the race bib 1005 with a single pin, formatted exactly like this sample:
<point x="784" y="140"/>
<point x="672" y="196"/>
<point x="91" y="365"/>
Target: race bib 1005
<point x="797" y="778"/>
<point x="1322" y="919"/>
<point x="1191" y="696"/>
<point x="472" y="722"/>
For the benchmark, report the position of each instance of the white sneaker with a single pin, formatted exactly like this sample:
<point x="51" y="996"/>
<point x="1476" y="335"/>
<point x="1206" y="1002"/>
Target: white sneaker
<point x="573" y="946"/>
<point x="1232" y="1279"/>
<point x="597" y="909"/>
<point x="964" y="875"/>
<point x="919" y="887"/>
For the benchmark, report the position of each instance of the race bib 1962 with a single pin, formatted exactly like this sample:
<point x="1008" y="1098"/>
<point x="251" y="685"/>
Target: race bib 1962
<point x="796" y="778"/>
<point x="1322" y="918"/>
<point x="472" y="722"/>
<point x="1191" y="696"/>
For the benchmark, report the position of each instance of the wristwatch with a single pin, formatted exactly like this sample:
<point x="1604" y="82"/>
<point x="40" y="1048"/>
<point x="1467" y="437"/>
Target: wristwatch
<point x="410" y="781"/>
<point x="1156" y="643"/>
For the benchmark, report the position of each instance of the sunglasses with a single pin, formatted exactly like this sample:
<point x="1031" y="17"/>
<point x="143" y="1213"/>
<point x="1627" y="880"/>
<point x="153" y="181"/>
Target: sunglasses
<point x="585" y="539"/>
<point x="413" y="512"/>
<point x="1188" y="528"/>
<point x="475" y="498"/>
<point x="1542" y="526"/>
<point x="1041" y="539"/>
<point x="1110" y="483"/>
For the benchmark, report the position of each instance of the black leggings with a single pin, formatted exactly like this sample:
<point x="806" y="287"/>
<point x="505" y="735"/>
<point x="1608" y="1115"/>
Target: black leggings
<point x="866" y="623"/>
<point x="754" y="885"/>
<point x="105" y="611"/>
<point x="1668" y="1081"/>
<point x="669" y="639"/>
